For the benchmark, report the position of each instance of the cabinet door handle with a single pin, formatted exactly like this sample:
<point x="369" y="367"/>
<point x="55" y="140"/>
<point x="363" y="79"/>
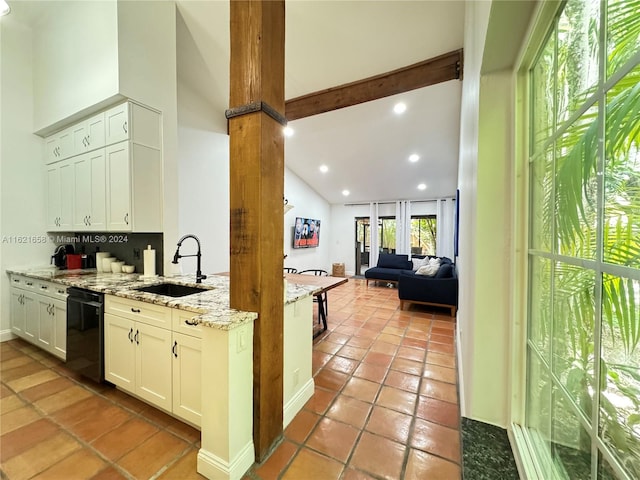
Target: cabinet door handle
<point x="173" y="349"/>
<point x="126" y="218"/>
<point x="89" y="220"/>
<point x="136" y="337"/>
<point x="61" y="292"/>
<point x="29" y="284"/>
<point x="131" y="335"/>
<point x="85" y="219"/>
<point x="84" y="141"/>
<point x="124" y="127"/>
<point x="43" y="287"/>
<point x="88" y="140"/>
<point x="191" y="322"/>
<point x="135" y="310"/>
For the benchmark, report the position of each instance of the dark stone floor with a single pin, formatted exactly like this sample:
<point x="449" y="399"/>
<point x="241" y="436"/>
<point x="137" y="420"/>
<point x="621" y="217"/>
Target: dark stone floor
<point x="486" y="452"/>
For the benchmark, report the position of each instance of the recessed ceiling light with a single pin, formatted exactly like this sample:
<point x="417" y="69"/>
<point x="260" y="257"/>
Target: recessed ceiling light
<point x="324" y="168"/>
<point x="422" y="186"/>
<point x="288" y="131"/>
<point x="399" y="108"/>
<point x="346" y="193"/>
<point x="414" y="157"/>
<point x="5" y="9"/>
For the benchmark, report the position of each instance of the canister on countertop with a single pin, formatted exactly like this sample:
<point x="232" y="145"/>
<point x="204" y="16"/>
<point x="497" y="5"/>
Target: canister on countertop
<point x="99" y="257"/>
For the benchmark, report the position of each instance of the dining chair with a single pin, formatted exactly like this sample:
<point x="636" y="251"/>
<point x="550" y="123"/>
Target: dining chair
<point x="290" y="270"/>
<point x="322" y="299"/>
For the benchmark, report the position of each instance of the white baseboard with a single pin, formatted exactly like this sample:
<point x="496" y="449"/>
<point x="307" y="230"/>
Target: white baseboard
<point x="6" y="335"/>
<point x="294" y="405"/>
<point x="214" y="468"/>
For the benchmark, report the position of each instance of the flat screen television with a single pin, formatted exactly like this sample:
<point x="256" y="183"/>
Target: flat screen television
<point x="306" y="233"/>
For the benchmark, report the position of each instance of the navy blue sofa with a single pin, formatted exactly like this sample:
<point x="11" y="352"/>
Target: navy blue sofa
<point x="441" y="290"/>
<point x="388" y="269"/>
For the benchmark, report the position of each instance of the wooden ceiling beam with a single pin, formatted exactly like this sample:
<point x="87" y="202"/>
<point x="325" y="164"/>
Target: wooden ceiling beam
<point x="429" y="72"/>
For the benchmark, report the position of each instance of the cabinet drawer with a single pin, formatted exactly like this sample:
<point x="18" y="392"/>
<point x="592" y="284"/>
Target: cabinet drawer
<point x="17" y="280"/>
<point x="138" y="311"/>
<point x="54" y="290"/>
<point x="28" y="284"/>
<point x="180" y="325"/>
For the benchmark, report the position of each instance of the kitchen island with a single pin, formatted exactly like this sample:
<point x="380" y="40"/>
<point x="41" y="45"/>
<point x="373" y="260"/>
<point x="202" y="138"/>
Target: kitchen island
<point x="223" y="354"/>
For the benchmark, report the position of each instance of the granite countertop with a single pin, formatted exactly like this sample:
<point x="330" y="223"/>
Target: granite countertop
<point x="212" y="304"/>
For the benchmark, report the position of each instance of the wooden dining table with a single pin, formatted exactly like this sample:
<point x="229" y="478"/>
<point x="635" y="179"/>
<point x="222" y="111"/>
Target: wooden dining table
<point x="323" y="284"/>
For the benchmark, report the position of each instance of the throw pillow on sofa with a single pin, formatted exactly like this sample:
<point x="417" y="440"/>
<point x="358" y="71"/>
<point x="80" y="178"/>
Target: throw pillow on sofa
<point x="430" y="269"/>
<point x="418" y="262"/>
<point x="445" y="271"/>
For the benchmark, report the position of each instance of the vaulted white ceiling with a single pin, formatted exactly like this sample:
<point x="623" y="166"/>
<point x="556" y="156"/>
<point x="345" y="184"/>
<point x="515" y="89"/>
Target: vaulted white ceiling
<point x="330" y="43"/>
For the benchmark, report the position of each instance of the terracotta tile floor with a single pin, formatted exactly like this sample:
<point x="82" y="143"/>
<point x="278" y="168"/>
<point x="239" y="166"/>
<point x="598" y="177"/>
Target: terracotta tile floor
<point x="385" y="406"/>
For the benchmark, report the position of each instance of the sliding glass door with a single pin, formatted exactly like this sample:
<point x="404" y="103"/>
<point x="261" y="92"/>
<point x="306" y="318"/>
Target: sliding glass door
<point x="583" y="340"/>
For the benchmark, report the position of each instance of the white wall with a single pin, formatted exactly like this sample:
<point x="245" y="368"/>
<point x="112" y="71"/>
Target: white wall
<point x="489" y="384"/>
<point x="22" y="181"/>
<point x="147" y="73"/>
<point x="203" y="179"/>
<point x="475" y="29"/>
<point x="486" y="180"/>
<point x="307" y="204"/>
<point x="75" y="58"/>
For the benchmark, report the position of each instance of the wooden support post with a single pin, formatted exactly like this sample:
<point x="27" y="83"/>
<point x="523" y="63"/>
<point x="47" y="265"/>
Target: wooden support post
<point x="256" y="119"/>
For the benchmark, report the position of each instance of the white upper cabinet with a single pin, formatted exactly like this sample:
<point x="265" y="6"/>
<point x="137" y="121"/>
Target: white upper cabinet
<point x="60" y="195"/>
<point x="90" y="189"/>
<point x="58" y="146"/>
<point x="117" y="124"/>
<point x="105" y="172"/>
<point x="89" y="134"/>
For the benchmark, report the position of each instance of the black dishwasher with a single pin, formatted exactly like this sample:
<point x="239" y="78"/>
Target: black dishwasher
<point x="85" y="338"/>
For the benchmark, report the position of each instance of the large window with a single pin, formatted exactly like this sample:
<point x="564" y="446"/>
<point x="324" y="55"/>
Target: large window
<point x="583" y="342"/>
<point x="387" y="232"/>
<point x="423" y="235"/>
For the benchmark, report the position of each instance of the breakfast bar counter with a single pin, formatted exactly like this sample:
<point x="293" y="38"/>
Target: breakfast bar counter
<point x="216" y="375"/>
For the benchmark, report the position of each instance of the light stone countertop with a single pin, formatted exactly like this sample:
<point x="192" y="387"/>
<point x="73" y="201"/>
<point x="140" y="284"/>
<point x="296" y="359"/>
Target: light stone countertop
<point x="212" y="304"/>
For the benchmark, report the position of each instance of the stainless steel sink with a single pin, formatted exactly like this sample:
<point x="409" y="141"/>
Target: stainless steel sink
<point x="172" y="289"/>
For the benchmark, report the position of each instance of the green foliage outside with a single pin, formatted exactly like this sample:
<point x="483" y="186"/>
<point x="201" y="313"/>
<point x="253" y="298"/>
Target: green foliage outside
<point x="584" y="321"/>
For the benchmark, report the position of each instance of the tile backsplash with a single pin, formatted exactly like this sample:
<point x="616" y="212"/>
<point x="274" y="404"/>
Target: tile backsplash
<point x="124" y="246"/>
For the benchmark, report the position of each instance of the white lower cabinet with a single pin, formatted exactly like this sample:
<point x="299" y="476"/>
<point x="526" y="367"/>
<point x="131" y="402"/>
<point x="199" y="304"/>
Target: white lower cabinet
<point x="119" y="352"/>
<point x="153" y="365"/>
<point x="186" y="375"/>
<point x="39" y="314"/>
<point x="17" y="312"/>
<point x="144" y="356"/>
